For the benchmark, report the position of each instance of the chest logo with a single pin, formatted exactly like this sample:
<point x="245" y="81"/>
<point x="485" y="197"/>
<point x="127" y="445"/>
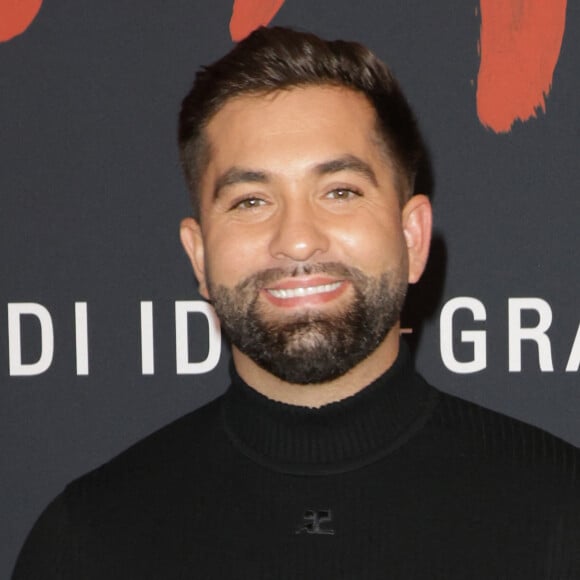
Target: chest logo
<point x="316" y="522"/>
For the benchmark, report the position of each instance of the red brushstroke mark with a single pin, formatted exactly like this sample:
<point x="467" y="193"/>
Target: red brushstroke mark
<point x="247" y="15"/>
<point x="16" y="16"/>
<point x="520" y="44"/>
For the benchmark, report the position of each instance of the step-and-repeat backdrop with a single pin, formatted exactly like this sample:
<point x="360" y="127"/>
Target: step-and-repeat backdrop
<point x="103" y="337"/>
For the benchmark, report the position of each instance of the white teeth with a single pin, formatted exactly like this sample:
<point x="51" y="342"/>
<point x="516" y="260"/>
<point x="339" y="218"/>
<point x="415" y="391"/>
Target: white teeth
<point x="308" y="291"/>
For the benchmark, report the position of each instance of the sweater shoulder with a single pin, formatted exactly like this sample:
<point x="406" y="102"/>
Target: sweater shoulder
<point x="118" y="500"/>
<point x="183" y="446"/>
<point x="493" y="435"/>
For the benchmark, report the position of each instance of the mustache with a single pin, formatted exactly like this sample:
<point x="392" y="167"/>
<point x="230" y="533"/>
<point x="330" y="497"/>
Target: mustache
<point x="266" y="278"/>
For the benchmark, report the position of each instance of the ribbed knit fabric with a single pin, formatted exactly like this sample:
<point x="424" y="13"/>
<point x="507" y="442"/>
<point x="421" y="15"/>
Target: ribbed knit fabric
<point x="399" y="481"/>
<point x="335" y="438"/>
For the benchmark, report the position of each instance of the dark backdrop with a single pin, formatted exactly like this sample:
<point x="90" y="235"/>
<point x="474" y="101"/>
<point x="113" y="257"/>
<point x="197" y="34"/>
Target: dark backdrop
<point x="91" y="196"/>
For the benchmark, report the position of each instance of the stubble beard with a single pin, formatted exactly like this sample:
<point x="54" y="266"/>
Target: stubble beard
<point x="312" y="346"/>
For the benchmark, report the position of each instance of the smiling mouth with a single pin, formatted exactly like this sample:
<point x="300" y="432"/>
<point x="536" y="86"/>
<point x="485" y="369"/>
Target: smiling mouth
<point x="286" y="293"/>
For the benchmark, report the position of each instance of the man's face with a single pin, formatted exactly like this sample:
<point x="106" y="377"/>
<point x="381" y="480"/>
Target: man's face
<point x="303" y="248"/>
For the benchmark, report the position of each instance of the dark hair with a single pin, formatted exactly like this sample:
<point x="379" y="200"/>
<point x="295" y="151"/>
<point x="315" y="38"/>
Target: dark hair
<point x="272" y="59"/>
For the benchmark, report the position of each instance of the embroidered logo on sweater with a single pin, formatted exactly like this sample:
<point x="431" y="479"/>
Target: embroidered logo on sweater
<point x="316" y="522"/>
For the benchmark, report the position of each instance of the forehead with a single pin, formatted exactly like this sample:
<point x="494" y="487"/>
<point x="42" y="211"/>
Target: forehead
<point x="298" y="101"/>
<point x="288" y="130"/>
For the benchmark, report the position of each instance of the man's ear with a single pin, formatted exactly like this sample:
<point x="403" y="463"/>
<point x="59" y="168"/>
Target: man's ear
<point x="192" y="242"/>
<point x="417" y="222"/>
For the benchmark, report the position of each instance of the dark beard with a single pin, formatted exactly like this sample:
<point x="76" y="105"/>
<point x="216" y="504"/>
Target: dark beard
<point x="313" y="346"/>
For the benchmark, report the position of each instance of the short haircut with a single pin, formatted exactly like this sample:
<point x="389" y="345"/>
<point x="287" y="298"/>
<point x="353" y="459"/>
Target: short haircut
<point x="273" y="59"/>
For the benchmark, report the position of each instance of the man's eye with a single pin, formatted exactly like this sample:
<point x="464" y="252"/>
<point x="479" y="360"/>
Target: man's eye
<point x="343" y="194"/>
<point x="248" y="203"/>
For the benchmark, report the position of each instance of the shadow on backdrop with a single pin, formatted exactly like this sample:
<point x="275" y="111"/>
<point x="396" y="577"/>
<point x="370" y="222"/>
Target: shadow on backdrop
<point x="424" y="298"/>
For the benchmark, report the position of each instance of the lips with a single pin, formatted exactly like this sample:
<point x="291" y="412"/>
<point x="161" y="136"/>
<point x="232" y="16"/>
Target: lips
<point x="285" y="293"/>
<point x="305" y="292"/>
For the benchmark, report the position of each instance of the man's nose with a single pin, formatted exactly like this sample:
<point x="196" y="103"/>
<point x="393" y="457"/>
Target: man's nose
<point x="299" y="234"/>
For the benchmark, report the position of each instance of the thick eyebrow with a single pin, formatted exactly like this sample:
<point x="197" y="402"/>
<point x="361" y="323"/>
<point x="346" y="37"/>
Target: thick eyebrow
<point x="235" y="175"/>
<point x="348" y="163"/>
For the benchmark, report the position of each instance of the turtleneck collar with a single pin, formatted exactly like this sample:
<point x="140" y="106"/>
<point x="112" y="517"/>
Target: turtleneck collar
<point x="334" y="438"/>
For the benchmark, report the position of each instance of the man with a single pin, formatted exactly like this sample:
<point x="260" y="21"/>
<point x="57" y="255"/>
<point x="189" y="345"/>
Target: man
<point x="328" y="457"/>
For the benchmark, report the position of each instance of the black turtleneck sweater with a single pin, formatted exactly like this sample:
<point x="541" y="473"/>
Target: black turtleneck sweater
<point x="399" y="481"/>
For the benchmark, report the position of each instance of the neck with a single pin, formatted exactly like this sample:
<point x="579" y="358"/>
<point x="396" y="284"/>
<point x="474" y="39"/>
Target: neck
<point x="272" y="387"/>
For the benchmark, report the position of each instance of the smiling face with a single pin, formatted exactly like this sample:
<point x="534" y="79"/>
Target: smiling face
<point x="303" y="247"/>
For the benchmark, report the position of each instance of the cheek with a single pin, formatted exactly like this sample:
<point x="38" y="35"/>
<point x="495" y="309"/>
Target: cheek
<point x="231" y="257"/>
<point x="375" y="245"/>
